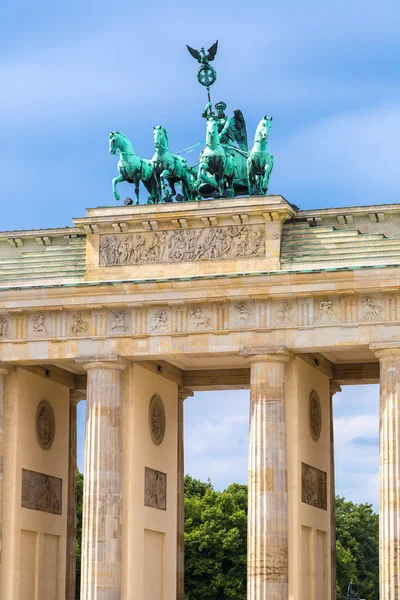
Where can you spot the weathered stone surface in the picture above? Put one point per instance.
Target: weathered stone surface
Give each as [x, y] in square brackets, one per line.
[389, 502]
[267, 557]
[157, 420]
[45, 425]
[101, 529]
[155, 489]
[41, 492]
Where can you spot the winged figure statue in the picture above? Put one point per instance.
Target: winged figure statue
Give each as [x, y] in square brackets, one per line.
[201, 55]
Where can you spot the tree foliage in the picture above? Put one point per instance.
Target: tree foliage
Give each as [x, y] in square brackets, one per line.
[215, 541]
[79, 506]
[357, 547]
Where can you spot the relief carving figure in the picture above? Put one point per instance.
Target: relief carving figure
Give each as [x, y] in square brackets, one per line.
[314, 487]
[244, 315]
[200, 319]
[3, 328]
[182, 245]
[41, 492]
[155, 490]
[286, 313]
[372, 309]
[160, 321]
[38, 325]
[315, 416]
[79, 325]
[326, 312]
[118, 325]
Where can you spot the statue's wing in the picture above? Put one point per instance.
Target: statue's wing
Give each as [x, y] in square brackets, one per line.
[195, 53]
[240, 130]
[212, 51]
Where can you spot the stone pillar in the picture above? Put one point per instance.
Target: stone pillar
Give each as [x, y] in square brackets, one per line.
[389, 475]
[102, 494]
[70, 573]
[267, 552]
[183, 393]
[334, 388]
[3, 373]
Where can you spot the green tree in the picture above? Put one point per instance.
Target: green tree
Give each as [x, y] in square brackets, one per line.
[357, 547]
[215, 541]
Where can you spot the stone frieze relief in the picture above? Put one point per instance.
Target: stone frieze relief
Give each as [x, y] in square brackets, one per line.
[303, 312]
[236, 241]
[41, 492]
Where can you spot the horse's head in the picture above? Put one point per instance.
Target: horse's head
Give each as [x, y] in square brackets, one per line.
[160, 138]
[263, 128]
[212, 131]
[115, 141]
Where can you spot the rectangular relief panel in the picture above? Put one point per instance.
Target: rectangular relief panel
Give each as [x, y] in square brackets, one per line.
[50, 567]
[183, 245]
[28, 565]
[313, 487]
[155, 489]
[306, 574]
[153, 565]
[41, 492]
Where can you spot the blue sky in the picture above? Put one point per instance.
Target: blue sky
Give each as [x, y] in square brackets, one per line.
[72, 71]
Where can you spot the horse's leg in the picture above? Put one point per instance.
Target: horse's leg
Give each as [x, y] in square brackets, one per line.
[137, 188]
[265, 180]
[114, 185]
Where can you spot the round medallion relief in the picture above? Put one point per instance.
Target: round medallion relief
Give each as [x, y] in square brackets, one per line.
[157, 420]
[315, 416]
[45, 425]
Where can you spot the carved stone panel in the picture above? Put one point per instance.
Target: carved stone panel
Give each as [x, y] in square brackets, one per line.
[41, 492]
[236, 241]
[157, 420]
[45, 425]
[155, 489]
[314, 416]
[313, 487]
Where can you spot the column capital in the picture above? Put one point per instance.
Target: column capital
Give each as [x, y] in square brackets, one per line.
[388, 350]
[277, 354]
[111, 362]
[334, 387]
[75, 396]
[5, 369]
[184, 393]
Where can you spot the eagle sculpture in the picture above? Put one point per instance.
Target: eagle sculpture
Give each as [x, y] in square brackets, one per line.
[201, 55]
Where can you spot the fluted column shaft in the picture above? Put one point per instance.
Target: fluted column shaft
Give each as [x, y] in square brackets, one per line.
[3, 373]
[267, 553]
[102, 494]
[334, 388]
[183, 393]
[389, 475]
[70, 579]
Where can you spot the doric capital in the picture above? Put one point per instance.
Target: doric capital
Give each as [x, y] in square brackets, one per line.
[261, 355]
[388, 350]
[184, 393]
[334, 387]
[111, 362]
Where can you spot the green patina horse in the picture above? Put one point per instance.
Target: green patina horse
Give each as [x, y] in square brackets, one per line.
[171, 167]
[217, 162]
[260, 162]
[132, 168]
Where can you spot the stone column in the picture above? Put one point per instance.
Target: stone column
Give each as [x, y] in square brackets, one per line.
[70, 575]
[101, 528]
[389, 475]
[267, 551]
[334, 388]
[3, 373]
[183, 393]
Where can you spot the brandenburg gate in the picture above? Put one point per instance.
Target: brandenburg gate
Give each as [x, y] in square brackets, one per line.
[135, 308]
